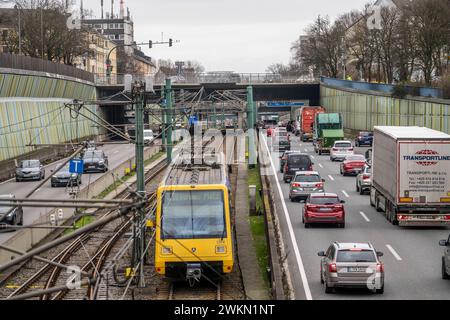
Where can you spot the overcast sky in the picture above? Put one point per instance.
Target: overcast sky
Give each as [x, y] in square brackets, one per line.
[231, 35]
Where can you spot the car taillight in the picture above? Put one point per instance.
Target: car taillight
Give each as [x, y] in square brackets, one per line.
[380, 267]
[359, 137]
[351, 149]
[332, 268]
[366, 177]
[319, 185]
[310, 168]
[335, 149]
[286, 168]
[296, 185]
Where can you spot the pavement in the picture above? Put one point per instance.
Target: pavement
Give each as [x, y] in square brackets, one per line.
[255, 288]
[117, 154]
[412, 256]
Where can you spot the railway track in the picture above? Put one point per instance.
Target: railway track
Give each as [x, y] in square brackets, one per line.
[203, 291]
[88, 252]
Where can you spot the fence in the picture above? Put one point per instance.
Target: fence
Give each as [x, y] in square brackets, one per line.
[210, 77]
[381, 87]
[14, 61]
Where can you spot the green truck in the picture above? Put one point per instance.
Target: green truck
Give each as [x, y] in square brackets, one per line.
[328, 128]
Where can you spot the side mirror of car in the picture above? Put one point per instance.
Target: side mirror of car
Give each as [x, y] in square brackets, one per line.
[342, 201]
[380, 254]
[323, 180]
[443, 243]
[321, 254]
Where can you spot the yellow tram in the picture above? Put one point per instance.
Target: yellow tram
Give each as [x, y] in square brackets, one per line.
[194, 237]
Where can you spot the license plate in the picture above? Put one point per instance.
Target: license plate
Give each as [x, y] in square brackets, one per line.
[356, 269]
[91, 167]
[326, 210]
[295, 169]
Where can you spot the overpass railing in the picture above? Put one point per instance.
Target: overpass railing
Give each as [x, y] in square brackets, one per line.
[381, 87]
[202, 78]
[15, 61]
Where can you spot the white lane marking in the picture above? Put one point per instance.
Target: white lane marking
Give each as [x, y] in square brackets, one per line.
[298, 257]
[345, 194]
[312, 157]
[320, 165]
[364, 216]
[116, 152]
[394, 253]
[331, 177]
[306, 150]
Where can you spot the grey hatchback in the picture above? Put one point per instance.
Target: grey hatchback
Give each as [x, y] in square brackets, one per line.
[352, 265]
[30, 170]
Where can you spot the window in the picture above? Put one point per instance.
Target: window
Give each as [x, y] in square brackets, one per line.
[343, 145]
[121, 36]
[307, 178]
[299, 160]
[193, 215]
[356, 256]
[327, 201]
[120, 25]
[97, 26]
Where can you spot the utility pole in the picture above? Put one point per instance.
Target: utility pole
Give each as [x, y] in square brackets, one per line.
[251, 128]
[169, 119]
[163, 114]
[139, 245]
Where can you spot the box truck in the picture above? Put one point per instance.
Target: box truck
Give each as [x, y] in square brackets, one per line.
[306, 120]
[328, 128]
[411, 176]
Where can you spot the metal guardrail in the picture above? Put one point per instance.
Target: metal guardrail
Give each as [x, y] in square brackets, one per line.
[210, 77]
[15, 61]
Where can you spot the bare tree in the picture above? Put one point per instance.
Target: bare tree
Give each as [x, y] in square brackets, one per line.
[45, 34]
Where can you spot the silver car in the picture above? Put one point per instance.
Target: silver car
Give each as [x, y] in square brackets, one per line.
[305, 183]
[364, 180]
[352, 265]
[30, 170]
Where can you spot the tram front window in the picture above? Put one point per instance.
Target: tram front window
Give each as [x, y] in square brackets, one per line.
[193, 215]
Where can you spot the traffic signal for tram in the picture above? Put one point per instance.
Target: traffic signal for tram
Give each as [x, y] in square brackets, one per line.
[150, 44]
[170, 42]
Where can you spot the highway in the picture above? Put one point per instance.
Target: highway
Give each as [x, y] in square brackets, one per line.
[412, 256]
[117, 154]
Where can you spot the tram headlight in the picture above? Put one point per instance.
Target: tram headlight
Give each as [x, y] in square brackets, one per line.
[166, 250]
[221, 249]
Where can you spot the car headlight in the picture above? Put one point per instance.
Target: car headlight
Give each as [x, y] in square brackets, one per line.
[73, 175]
[221, 249]
[55, 177]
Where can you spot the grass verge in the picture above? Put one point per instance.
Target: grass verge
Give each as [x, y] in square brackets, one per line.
[258, 226]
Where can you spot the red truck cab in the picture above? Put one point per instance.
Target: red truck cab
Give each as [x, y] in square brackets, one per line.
[307, 118]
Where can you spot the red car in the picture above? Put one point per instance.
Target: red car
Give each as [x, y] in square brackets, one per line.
[324, 208]
[353, 164]
[269, 132]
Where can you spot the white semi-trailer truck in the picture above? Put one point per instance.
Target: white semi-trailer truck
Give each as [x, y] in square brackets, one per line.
[411, 175]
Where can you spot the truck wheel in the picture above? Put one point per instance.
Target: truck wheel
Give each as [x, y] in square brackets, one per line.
[445, 275]
[377, 205]
[320, 152]
[361, 191]
[357, 187]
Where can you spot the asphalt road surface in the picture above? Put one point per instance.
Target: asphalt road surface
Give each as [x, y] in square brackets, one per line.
[412, 256]
[117, 154]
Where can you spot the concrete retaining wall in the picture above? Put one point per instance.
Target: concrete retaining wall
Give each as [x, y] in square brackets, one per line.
[362, 110]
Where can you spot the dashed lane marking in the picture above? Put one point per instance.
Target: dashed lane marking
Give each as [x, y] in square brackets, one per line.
[394, 253]
[320, 165]
[364, 216]
[345, 193]
[331, 177]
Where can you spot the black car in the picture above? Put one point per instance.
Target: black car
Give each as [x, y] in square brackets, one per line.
[283, 159]
[64, 178]
[14, 215]
[30, 170]
[95, 161]
[294, 163]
